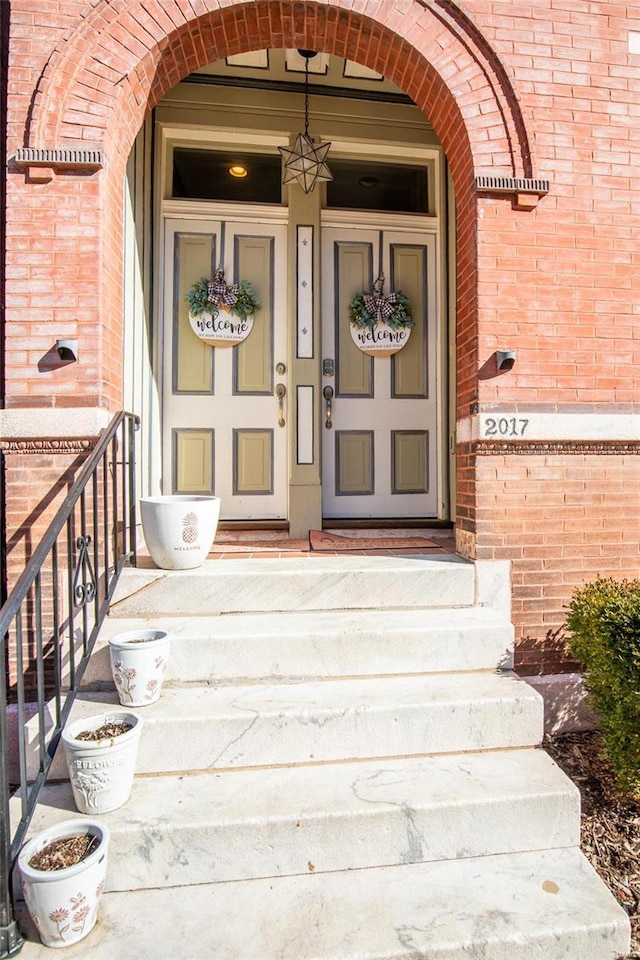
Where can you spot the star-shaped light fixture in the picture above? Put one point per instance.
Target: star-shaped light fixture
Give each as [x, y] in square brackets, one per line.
[304, 162]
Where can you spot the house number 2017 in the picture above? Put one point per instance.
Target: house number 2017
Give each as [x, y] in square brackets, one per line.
[505, 427]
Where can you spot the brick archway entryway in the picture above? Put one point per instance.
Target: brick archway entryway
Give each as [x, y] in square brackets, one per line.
[119, 59]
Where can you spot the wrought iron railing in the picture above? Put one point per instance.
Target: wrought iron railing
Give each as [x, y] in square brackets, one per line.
[48, 627]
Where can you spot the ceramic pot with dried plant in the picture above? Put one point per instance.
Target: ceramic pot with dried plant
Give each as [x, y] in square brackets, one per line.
[63, 871]
[101, 753]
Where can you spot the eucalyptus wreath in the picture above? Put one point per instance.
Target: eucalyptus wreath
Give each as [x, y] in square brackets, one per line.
[239, 297]
[365, 309]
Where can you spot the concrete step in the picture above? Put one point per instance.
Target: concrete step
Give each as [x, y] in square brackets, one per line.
[545, 905]
[240, 825]
[211, 728]
[300, 583]
[334, 643]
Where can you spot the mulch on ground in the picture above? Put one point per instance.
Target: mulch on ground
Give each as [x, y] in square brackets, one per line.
[610, 827]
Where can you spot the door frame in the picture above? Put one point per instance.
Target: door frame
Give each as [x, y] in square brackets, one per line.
[305, 477]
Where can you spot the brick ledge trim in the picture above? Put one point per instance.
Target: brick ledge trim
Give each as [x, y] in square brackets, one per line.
[41, 164]
[52, 157]
[47, 445]
[501, 448]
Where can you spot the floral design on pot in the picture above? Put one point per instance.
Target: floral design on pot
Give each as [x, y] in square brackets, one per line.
[139, 661]
[63, 903]
[179, 529]
[101, 770]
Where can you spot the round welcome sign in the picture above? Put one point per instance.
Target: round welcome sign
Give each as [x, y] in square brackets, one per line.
[382, 340]
[221, 329]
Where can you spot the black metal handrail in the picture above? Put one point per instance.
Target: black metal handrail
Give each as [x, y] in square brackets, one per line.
[48, 627]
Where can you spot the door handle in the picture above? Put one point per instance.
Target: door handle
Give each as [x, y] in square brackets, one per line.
[327, 393]
[281, 392]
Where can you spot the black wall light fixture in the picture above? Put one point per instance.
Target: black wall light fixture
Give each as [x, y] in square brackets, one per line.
[505, 360]
[67, 350]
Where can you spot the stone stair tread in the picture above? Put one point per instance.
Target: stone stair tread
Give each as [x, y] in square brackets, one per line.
[198, 727]
[328, 643]
[258, 823]
[297, 583]
[544, 905]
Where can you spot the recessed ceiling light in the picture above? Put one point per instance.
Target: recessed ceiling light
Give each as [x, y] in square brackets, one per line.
[238, 171]
[368, 182]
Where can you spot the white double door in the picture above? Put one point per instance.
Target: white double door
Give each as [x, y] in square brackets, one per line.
[380, 455]
[224, 426]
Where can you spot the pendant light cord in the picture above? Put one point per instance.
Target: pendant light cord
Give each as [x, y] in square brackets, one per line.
[306, 96]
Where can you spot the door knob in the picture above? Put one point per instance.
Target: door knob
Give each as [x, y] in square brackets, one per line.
[327, 393]
[281, 392]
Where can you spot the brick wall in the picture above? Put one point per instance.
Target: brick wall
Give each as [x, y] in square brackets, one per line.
[562, 519]
[549, 90]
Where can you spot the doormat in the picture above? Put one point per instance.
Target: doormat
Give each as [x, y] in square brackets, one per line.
[364, 540]
[254, 541]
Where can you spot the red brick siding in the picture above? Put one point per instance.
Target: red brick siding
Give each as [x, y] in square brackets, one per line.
[562, 520]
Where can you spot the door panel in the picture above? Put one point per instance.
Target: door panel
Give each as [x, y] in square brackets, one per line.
[220, 415]
[379, 459]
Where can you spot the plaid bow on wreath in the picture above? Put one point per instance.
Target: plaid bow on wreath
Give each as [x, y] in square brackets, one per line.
[220, 292]
[379, 306]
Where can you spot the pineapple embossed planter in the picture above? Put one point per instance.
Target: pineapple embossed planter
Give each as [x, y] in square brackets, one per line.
[179, 530]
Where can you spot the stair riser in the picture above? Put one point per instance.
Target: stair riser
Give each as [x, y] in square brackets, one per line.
[341, 654]
[261, 740]
[310, 586]
[387, 836]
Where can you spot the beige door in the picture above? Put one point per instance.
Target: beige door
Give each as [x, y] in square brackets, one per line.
[224, 427]
[380, 455]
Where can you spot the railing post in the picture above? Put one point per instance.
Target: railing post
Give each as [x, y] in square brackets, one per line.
[132, 425]
[10, 937]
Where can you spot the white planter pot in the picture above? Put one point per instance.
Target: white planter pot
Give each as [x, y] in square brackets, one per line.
[179, 530]
[101, 772]
[64, 903]
[139, 660]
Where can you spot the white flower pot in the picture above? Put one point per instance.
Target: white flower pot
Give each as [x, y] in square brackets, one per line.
[179, 530]
[138, 663]
[64, 903]
[101, 772]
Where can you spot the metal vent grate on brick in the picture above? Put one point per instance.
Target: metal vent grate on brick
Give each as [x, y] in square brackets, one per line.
[488, 184]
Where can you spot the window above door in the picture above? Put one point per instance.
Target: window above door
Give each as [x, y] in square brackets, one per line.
[235, 176]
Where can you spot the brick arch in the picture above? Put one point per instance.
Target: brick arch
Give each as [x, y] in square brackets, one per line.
[124, 55]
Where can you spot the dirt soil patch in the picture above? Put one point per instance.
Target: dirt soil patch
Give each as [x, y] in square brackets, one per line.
[610, 826]
[108, 731]
[64, 852]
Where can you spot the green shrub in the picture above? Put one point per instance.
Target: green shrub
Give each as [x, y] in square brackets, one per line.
[604, 625]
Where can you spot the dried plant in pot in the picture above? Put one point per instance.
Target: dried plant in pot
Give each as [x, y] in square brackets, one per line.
[101, 753]
[179, 530]
[63, 870]
[139, 660]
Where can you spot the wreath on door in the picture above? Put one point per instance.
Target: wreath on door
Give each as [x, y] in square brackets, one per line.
[221, 313]
[393, 309]
[380, 324]
[211, 296]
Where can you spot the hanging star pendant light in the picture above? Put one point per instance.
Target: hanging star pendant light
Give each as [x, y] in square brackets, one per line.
[305, 162]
